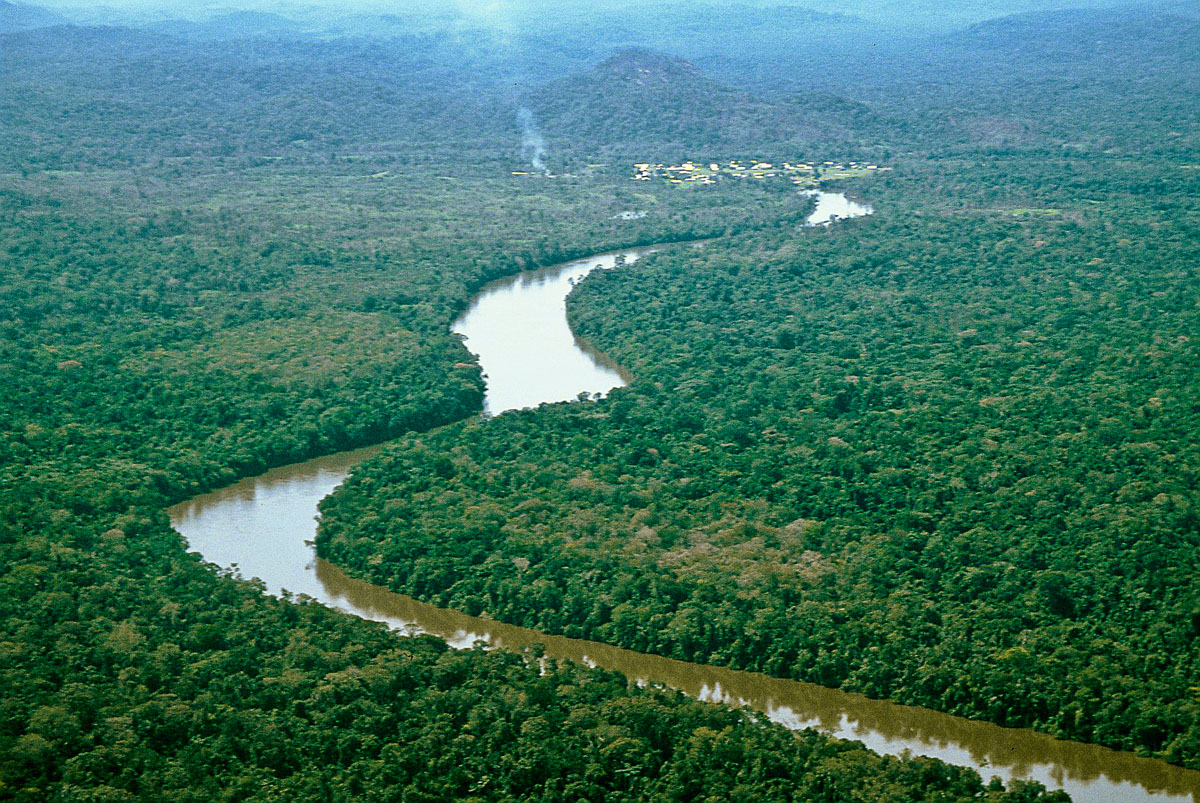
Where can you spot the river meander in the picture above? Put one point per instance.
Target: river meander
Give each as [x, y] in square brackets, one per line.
[263, 526]
[517, 328]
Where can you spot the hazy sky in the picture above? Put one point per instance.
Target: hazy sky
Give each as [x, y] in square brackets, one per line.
[487, 8]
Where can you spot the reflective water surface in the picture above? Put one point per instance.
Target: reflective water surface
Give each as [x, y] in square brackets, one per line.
[832, 206]
[263, 526]
[517, 328]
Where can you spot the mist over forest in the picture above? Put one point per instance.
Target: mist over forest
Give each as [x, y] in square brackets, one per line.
[500, 13]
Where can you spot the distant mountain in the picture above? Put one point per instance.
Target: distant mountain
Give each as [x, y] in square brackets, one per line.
[641, 68]
[944, 15]
[1081, 77]
[106, 94]
[235, 25]
[711, 36]
[1085, 33]
[638, 99]
[20, 17]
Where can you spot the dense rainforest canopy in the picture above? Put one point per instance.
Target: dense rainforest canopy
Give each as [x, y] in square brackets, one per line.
[943, 462]
[945, 455]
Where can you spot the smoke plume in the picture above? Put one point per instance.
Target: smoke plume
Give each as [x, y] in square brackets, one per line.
[533, 147]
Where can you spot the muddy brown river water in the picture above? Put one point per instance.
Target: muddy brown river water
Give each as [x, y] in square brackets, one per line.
[263, 527]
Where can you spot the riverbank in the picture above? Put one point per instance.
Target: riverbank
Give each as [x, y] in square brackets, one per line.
[263, 526]
[1092, 772]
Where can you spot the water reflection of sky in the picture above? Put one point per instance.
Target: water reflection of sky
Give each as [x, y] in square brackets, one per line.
[518, 330]
[833, 206]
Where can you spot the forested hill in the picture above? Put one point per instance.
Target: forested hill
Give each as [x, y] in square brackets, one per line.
[20, 17]
[948, 14]
[79, 96]
[1143, 64]
[76, 97]
[1090, 36]
[1118, 80]
[238, 25]
[638, 98]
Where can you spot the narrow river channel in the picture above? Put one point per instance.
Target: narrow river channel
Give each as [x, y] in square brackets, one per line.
[263, 526]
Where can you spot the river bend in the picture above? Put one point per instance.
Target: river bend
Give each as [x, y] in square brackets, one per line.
[263, 527]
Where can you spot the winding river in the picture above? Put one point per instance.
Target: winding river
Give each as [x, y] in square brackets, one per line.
[263, 528]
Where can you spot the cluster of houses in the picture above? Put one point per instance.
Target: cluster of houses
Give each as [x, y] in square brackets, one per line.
[800, 173]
